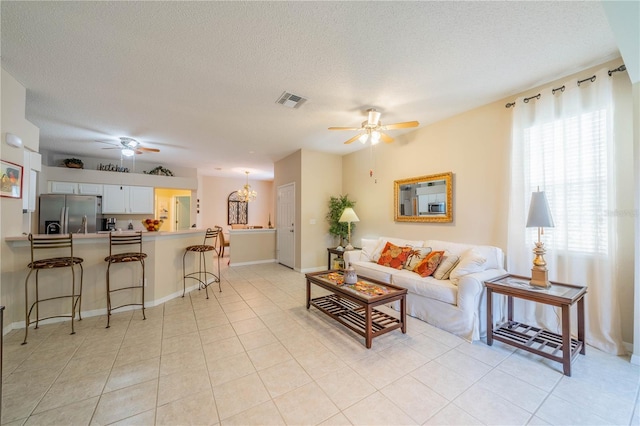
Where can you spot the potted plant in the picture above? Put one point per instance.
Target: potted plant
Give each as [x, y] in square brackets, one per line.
[336, 207]
[73, 163]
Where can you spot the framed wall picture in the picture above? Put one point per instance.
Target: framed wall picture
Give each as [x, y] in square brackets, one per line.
[10, 180]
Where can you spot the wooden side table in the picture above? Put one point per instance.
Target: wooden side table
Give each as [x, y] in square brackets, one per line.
[334, 251]
[557, 347]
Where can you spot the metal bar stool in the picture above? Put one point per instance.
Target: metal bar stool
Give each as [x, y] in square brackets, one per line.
[201, 275]
[49, 243]
[223, 243]
[116, 240]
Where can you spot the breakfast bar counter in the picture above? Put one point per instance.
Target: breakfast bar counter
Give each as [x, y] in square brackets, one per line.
[163, 271]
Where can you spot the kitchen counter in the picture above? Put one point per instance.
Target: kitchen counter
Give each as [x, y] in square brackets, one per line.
[105, 234]
[163, 271]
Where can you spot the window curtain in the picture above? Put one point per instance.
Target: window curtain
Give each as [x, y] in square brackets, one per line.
[562, 143]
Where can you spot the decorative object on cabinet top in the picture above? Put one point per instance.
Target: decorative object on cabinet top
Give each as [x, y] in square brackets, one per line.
[73, 163]
[159, 171]
[112, 168]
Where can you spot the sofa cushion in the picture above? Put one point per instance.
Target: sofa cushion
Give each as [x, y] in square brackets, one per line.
[442, 290]
[394, 256]
[369, 247]
[373, 270]
[429, 264]
[494, 255]
[415, 256]
[471, 261]
[401, 242]
[445, 267]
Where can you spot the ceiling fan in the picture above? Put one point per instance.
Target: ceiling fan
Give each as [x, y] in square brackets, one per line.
[373, 129]
[129, 147]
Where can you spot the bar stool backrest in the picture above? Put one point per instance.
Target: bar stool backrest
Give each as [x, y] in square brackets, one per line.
[47, 243]
[211, 234]
[125, 240]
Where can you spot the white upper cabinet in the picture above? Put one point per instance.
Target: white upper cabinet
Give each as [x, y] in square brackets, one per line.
[127, 199]
[141, 199]
[63, 187]
[90, 189]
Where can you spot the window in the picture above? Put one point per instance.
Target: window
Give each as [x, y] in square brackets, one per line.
[237, 211]
[567, 158]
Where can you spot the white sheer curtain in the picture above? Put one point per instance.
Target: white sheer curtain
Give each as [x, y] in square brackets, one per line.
[563, 143]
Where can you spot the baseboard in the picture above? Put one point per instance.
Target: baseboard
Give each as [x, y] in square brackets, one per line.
[255, 262]
[316, 269]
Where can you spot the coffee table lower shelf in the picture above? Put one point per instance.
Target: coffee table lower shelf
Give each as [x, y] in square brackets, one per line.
[353, 316]
[536, 340]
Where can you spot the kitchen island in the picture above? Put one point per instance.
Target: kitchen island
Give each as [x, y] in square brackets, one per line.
[252, 245]
[163, 272]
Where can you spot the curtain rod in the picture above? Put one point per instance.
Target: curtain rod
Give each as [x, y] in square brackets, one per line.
[561, 89]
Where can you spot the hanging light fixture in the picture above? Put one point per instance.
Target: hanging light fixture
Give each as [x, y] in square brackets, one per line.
[247, 194]
[127, 152]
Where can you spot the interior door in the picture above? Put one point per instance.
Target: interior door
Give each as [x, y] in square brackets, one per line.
[286, 224]
[183, 213]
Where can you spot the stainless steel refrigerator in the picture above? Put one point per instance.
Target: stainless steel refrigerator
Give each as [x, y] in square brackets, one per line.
[63, 214]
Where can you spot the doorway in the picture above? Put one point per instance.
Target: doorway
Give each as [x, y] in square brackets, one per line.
[286, 224]
[183, 213]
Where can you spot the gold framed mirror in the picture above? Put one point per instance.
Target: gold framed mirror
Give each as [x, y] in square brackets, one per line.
[424, 198]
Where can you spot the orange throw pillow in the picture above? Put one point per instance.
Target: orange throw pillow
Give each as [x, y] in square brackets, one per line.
[394, 256]
[429, 264]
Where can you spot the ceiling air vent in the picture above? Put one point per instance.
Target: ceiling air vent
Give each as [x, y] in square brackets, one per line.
[290, 100]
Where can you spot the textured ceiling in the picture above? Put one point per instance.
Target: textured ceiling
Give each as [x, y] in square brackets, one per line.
[199, 80]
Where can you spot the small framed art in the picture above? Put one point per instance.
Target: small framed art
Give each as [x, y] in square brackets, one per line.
[10, 180]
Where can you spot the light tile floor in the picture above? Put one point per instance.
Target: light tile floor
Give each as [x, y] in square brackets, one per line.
[254, 355]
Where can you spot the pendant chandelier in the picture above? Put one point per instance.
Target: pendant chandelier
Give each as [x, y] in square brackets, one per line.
[247, 194]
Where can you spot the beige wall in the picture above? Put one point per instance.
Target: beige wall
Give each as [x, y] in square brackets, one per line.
[13, 120]
[214, 191]
[636, 157]
[475, 147]
[321, 178]
[285, 171]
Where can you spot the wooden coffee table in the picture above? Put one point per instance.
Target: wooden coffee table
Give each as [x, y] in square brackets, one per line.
[353, 305]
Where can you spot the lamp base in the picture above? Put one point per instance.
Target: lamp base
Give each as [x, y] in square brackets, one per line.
[349, 247]
[539, 278]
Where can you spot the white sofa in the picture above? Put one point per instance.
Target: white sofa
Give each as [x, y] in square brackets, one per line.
[458, 304]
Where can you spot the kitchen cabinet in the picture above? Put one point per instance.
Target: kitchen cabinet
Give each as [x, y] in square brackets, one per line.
[127, 199]
[89, 189]
[63, 187]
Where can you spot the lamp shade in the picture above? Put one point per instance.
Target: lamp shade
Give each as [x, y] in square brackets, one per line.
[539, 212]
[348, 215]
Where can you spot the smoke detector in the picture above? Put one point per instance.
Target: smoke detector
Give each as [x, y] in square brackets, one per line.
[290, 100]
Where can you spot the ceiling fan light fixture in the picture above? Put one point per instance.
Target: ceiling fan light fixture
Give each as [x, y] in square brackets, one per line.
[375, 137]
[374, 117]
[128, 152]
[363, 138]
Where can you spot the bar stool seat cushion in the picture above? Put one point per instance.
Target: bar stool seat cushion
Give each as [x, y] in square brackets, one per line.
[55, 262]
[125, 257]
[200, 248]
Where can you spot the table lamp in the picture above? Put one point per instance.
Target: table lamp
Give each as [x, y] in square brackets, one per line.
[348, 215]
[539, 217]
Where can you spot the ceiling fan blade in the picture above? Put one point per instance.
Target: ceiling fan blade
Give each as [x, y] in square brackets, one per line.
[353, 139]
[386, 138]
[344, 128]
[113, 147]
[141, 148]
[404, 125]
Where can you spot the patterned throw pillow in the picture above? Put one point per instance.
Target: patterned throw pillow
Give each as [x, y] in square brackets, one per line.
[446, 266]
[429, 264]
[415, 256]
[393, 256]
